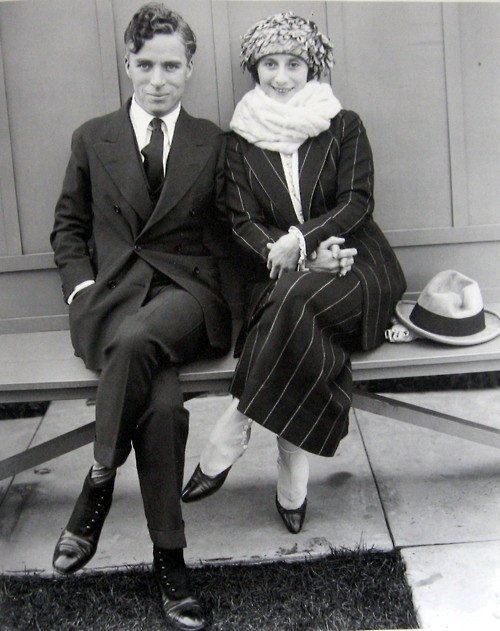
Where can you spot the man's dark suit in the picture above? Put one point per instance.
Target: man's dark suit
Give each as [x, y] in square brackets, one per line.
[153, 262]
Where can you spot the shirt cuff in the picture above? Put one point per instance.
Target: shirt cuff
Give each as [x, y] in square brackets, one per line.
[301, 263]
[86, 283]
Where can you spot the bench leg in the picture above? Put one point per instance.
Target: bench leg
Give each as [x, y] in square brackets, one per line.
[423, 417]
[47, 451]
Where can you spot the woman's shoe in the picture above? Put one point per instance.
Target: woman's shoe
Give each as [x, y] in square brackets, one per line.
[293, 518]
[201, 485]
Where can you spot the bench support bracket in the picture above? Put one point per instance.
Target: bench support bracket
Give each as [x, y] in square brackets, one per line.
[423, 417]
[374, 403]
[48, 450]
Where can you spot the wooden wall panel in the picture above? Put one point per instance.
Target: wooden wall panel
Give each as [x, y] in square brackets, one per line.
[53, 81]
[10, 236]
[392, 74]
[480, 67]
[423, 76]
[38, 291]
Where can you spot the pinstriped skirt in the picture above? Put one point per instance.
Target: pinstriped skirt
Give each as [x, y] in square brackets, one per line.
[294, 374]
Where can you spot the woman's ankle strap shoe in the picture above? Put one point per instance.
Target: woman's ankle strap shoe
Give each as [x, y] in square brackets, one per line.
[201, 485]
[293, 518]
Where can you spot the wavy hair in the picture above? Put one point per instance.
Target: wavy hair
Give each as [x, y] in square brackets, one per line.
[154, 18]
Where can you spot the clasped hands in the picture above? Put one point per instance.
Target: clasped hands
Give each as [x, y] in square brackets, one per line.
[284, 254]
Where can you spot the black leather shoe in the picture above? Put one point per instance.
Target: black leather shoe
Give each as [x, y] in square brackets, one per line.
[293, 518]
[180, 608]
[78, 541]
[201, 485]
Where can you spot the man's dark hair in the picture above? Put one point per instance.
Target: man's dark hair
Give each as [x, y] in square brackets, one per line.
[154, 18]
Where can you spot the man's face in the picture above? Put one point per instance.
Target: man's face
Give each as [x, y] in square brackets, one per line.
[159, 73]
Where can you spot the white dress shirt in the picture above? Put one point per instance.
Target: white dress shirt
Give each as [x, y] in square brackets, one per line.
[141, 122]
[290, 164]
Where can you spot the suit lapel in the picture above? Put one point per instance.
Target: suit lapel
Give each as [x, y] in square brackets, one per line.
[268, 170]
[312, 156]
[187, 157]
[118, 154]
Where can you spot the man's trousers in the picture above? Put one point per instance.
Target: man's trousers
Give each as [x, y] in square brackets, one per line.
[140, 403]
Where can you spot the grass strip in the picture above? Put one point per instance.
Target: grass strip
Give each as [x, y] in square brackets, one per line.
[347, 590]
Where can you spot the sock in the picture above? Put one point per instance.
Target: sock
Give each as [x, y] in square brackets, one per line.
[101, 474]
[227, 442]
[293, 474]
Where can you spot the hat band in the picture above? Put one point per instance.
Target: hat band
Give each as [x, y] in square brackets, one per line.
[442, 325]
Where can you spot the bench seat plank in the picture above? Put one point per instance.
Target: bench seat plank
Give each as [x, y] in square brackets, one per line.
[43, 363]
[41, 366]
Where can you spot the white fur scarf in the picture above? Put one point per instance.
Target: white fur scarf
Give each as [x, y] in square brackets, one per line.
[283, 127]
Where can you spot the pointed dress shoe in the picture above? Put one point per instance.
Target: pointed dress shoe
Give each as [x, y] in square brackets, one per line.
[181, 609]
[201, 485]
[293, 518]
[78, 541]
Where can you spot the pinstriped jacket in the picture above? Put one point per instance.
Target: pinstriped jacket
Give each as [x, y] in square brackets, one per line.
[336, 187]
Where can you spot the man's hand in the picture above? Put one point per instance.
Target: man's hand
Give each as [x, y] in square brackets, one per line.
[329, 257]
[283, 255]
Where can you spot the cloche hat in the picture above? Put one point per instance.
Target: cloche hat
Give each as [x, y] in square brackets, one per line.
[287, 32]
[450, 310]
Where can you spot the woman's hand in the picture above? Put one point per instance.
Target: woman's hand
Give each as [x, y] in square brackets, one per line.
[330, 257]
[283, 255]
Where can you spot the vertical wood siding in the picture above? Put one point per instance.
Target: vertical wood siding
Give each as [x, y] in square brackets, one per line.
[423, 76]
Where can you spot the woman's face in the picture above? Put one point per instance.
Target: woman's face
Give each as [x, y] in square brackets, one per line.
[282, 75]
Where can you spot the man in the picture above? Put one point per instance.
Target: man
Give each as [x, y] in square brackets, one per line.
[136, 239]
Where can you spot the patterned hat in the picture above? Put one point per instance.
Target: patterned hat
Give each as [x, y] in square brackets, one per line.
[287, 33]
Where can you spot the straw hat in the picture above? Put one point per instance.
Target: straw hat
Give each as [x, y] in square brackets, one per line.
[450, 310]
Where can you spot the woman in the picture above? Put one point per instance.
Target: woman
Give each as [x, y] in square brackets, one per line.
[299, 186]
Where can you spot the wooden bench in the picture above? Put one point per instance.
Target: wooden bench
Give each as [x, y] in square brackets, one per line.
[40, 366]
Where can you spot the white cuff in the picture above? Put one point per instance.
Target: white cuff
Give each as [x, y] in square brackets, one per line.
[301, 263]
[86, 283]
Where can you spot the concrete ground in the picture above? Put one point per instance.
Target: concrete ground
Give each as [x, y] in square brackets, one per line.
[435, 497]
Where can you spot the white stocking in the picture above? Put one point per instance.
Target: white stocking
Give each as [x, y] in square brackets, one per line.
[293, 474]
[228, 441]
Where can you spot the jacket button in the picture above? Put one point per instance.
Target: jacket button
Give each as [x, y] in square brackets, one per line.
[117, 209]
[196, 271]
[192, 212]
[137, 248]
[178, 248]
[112, 284]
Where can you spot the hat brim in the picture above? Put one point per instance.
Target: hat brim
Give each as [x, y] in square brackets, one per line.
[491, 330]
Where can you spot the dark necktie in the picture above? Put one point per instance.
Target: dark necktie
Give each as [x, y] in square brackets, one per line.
[153, 156]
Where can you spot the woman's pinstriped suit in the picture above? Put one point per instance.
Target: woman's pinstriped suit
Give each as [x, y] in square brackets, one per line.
[294, 374]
